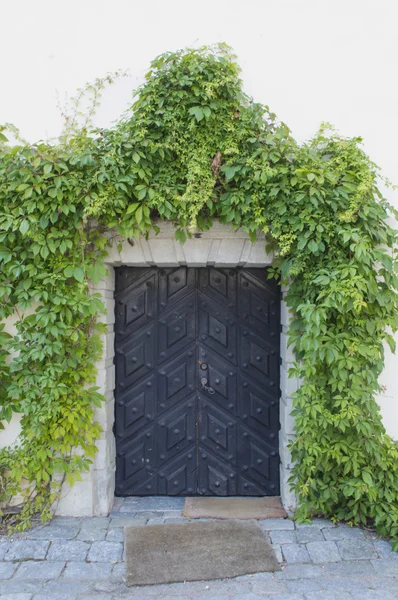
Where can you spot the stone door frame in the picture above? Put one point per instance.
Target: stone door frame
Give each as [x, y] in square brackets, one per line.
[218, 247]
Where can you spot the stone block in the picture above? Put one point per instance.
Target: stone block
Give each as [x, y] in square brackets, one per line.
[196, 252]
[133, 255]
[288, 497]
[27, 550]
[328, 595]
[93, 571]
[115, 535]
[286, 351]
[283, 536]
[154, 503]
[39, 570]
[163, 252]
[105, 552]
[305, 571]
[295, 553]
[77, 500]
[229, 252]
[105, 457]
[68, 550]
[18, 597]
[356, 550]
[304, 586]
[349, 568]
[287, 421]
[275, 524]
[104, 489]
[127, 522]
[373, 595]
[309, 534]
[385, 568]
[7, 570]
[384, 550]
[289, 385]
[316, 523]
[337, 534]
[323, 552]
[4, 547]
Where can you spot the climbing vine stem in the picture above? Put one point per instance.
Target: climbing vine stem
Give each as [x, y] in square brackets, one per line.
[194, 148]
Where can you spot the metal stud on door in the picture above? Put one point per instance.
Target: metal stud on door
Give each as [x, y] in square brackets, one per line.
[196, 382]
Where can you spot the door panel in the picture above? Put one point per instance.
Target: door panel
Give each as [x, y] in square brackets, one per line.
[197, 371]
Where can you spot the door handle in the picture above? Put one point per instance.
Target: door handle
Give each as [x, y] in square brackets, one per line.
[205, 387]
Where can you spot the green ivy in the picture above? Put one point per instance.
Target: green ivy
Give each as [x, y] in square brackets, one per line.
[194, 148]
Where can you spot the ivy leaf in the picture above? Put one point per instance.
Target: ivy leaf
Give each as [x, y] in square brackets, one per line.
[132, 207]
[313, 246]
[197, 112]
[24, 226]
[367, 477]
[138, 214]
[78, 274]
[68, 272]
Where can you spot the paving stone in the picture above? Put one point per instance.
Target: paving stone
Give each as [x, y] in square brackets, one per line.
[351, 568]
[61, 530]
[68, 550]
[283, 536]
[27, 549]
[386, 568]
[304, 586]
[105, 551]
[295, 553]
[272, 586]
[127, 522]
[306, 571]
[151, 514]
[373, 595]
[96, 597]
[384, 583]
[384, 550]
[155, 522]
[316, 523]
[39, 570]
[59, 587]
[115, 535]
[343, 583]
[176, 520]
[336, 534]
[309, 534]
[95, 522]
[7, 570]
[4, 547]
[94, 571]
[323, 552]
[276, 524]
[328, 595]
[154, 503]
[278, 552]
[56, 597]
[91, 534]
[14, 586]
[16, 596]
[119, 572]
[356, 550]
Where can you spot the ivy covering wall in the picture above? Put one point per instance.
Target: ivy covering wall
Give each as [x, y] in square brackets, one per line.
[194, 148]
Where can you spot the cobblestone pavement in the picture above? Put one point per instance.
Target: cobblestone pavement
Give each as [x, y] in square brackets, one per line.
[82, 559]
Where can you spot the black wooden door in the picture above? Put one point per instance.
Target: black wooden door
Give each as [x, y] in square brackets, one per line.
[197, 382]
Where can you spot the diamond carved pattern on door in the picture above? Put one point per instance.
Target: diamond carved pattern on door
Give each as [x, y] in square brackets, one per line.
[176, 329]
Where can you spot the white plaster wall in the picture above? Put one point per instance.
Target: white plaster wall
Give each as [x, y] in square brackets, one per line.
[309, 60]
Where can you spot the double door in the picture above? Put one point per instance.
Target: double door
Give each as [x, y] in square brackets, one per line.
[197, 382]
